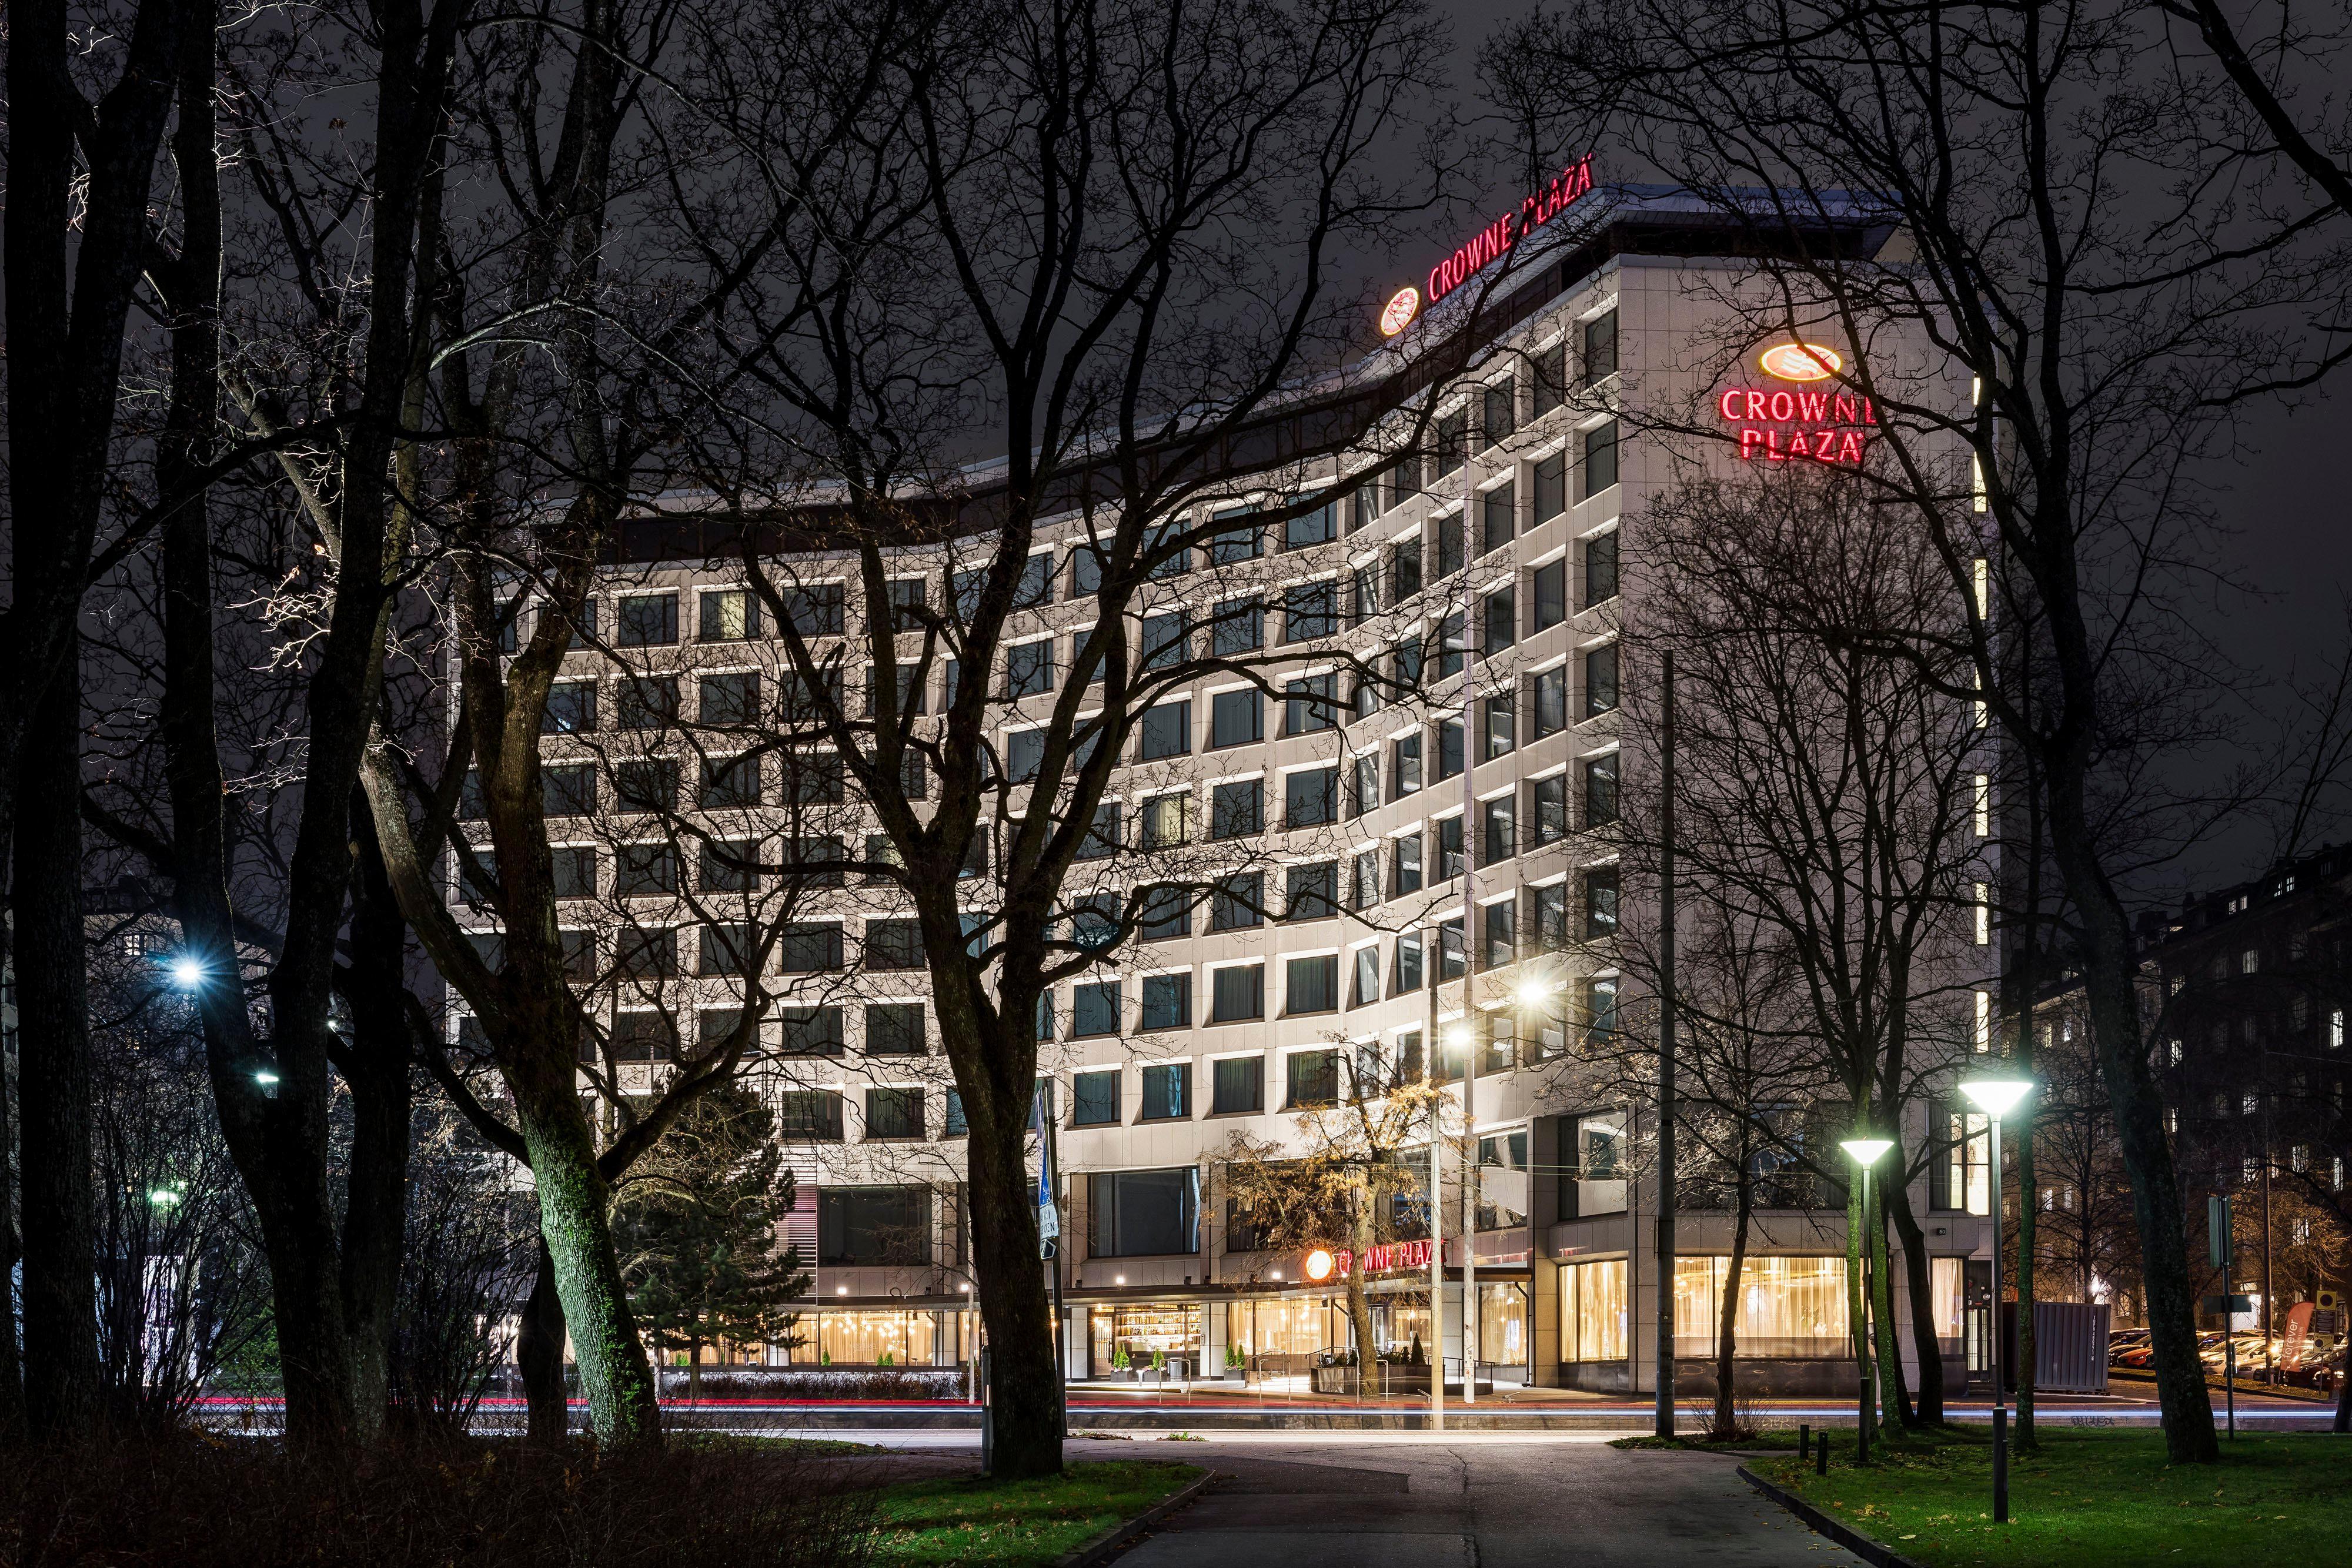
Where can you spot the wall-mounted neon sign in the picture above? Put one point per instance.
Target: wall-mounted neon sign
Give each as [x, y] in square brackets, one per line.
[1782, 425]
[1507, 230]
[1399, 312]
[1386, 1258]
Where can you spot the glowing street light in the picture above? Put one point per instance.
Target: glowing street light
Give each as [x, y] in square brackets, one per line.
[187, 973]
[1536, 993]
[1995, 1097]
[1319, 1265]
[1865, 1152]
[163, 1197]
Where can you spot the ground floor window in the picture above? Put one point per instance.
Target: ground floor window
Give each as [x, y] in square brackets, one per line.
[857, 1338]
[1502, 1325]
[1169, 1331]
[1946, 1292]
[1291, 1326]
[1788, 1306]
[1592, 1310]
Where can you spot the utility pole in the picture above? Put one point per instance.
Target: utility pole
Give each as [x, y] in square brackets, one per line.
[1665, 1271]
[1471, 937]
[1431, 1074]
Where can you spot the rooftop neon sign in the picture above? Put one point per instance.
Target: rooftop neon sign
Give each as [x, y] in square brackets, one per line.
[1507, 230]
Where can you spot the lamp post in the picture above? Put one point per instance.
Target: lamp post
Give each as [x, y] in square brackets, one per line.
[1994, 1097]
[1865, 1152]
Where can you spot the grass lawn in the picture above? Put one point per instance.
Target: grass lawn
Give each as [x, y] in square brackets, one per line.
[1017, 1523]
[2104, 1499]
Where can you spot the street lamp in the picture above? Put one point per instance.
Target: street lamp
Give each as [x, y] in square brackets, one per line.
[1865, 1152]
[187, 973]
[1995, 1097]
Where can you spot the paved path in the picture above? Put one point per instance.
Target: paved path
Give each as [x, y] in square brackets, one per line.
[1497, 1502]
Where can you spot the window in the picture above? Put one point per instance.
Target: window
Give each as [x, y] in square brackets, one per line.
[1094, 1099]
[1310, 704]
[1236, 626]
[810, 1031]
[1501, 924]
[1406, 978]
[570, 708]
[1166, 820]
[648, 954]
[1600, 790]
[872, 1226]
[1310, 798]
[1166, 731]
[1601, 681]
[730, 781]
[579, 954]
[1593, 1317]
[1449, 749]
[1407, 878]
[1600, 1010]
[1143, 1214]
[1404, 764]
[1028, 669]
[1235, 719]
[1405, 570]
[1364, 784]
[1500, 731]
[1499, 511]
[1167, 1092]
[1550, 379]
[568, 790]
[815, 609]
[1237, 1086]
[1238, 903]
[1593, 1180]
[1551, 589]
[1453, 440]
[1365, 879]
[1449, 848]
[894, 1112]
[1166, 1001]
[1600, 465]
[1551, 486]
[648, 702]
[647, 784]
[1167, 912]
[1450, 549]
[1103, 834]
[1453, 641]
[1503, 1180]
[1314, 1079]
[1547, 810]
[952, 1123]
[809, 947]
[1310, 609]
[1499, 408]
[1167, 643]
[1318, 526]
[1600, 348]
[642, 869]
[727, 949]
[908, 597]
[1232, 546]
[1025, 754]
[1495, 839]
[1237, 992]
[1500, 626]
[1311, 985]
[1551, 916]
[648, 620]
[1094, 1008]
[1601, 569]
[1313, 890]
[1035, 586]
[732, 699]
[1368, 976]
[894, 1028]
[1550, 701]
[644, 1037]
[1600, 904]
[575, 872]
[894, 944]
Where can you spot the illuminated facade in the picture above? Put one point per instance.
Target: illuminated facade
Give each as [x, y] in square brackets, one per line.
[1379, 860]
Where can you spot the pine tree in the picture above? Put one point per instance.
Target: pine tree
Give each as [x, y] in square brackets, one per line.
[698, 1230]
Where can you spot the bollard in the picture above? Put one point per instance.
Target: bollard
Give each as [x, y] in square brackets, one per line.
[1823, 1467]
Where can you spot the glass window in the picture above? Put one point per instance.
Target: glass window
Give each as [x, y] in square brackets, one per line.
[1231, 546]
[1788, 1307]
[908, 597]
[1600, 1010]
[809, 1116]
[1551, 486]
[1600, 357]
[894, 1112]
[1405, 570]
[1450, 549]
[1449, 848]
[726, 949]
[1600, 904]
[1550, 586]
[1166, 731]
[1497, 840]
[570, 708]
[1502, 935]
[1028, 669]
[1449, 749]
[808, 947]
[815, 609]
[647, 784]
[1094, 1008]
[1025, 754]
[1094, 1099]
[1237, 809]
[1408, 865]
[648, 620]
[1318, 527]
[1166, 642]
[1166, 1001]
[866, 1226]
[1236, 626]
[1453, 439]
[1601, 569]
[952, 1123]
[1551, 916]
[1311, 986]
[1364, 880]
[1366, 985]
[1166, 819]
[1501, 729]
[648, 702]
[575, 872]
[1404, 770]
[1310, 704]
[644, 1037]
[1310, 798]
[641, 869]
[1600, 465]
[1237, 993]
[894, 944]
[1103, 834]
[1143, 1214]
[730, 781]
[1592, 1314]
[1552, 701]
[1548, 805]
[1310, 609]
[1167, 1091]
[1238, 903]
[1313, 890]
[1237, 1084]
[1314, 1079]
[1035, 586]
[1405, 977]
[1601, 681]
[1364, 784]
[1499, 624]
[894, 1028]
[1594, 1182]
[1235, 719]
[1499, 409]
[1167, 912]
[1550, 378]
[1499, 511]
[1502, 1183]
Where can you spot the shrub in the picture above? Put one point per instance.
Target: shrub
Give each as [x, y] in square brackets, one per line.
[199, 1501]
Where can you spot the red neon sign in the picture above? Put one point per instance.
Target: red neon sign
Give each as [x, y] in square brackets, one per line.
[1507, 230]
[1781, 425]
[1384, 1259]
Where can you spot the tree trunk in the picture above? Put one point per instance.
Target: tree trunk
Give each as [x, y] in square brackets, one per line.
[1359, 1302]
[539, 1355]
[1727, 1342]
[60, 1299]
[375, 1069]
[1919, 1278]
[1025, 1392]
[1894, 1391]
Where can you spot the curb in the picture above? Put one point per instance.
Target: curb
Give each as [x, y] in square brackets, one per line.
[1120, 1537]
[1820, 1523]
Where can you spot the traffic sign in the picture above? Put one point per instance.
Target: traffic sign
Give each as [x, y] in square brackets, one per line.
[2229, 1303]
[2219, 1249]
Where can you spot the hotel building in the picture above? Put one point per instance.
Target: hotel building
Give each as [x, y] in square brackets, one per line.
[1370, 835]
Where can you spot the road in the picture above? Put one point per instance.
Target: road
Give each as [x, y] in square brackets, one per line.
[1364, 1500]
